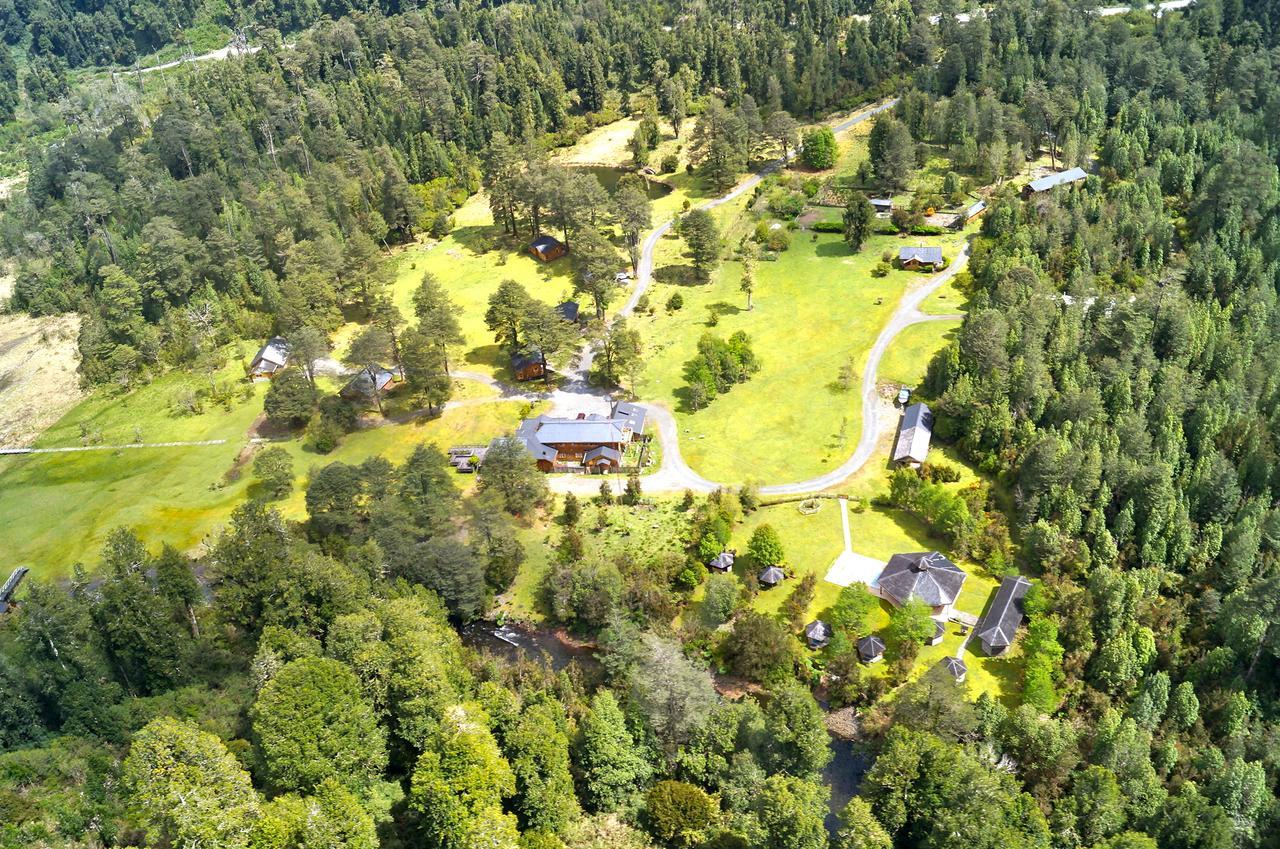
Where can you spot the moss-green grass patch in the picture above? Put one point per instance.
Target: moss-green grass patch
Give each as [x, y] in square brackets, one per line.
[907, 359]
[814, 312]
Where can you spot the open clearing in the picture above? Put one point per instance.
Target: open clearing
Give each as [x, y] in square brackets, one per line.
[815, 311]
[38, 380]
[60, 507]
[907, 359]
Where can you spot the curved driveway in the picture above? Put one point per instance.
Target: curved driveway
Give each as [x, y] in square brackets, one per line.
[674, 474]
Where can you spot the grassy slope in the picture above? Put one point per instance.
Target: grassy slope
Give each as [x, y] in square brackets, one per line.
[61, 506]
[908, 357]
[814, 311]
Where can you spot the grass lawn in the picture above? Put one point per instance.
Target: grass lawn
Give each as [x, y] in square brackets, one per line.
[814, 312]
[60, 506]
[907, 359]
[948, 300]
[471, 266]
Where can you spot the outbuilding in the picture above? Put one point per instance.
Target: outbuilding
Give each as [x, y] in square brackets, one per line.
[723, 562]
[817, 634]
[971, 212]
[955, 667]
[362, 387]
[883, 207]
[999, 626]
[1053, 181]
[528, 365]
[921, 258]
[772, 576]
[547, 248]
[270, 359]
[939, 631]
[871, 649]
[915, 432]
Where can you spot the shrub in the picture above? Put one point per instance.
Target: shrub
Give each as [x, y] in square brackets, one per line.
[778, 239]
[785, 204]
[679, 814]
[939, 473]
[675, 302]
[670, 163]
[827, 227]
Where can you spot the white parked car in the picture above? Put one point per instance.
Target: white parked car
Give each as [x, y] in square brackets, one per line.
[904, 395]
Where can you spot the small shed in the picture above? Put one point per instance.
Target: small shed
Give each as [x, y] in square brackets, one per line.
[955, 667]
[270, 359]
[602, 459]
[999, 626]
[920, 258]
[939, 631]
[362, 387]
[971, 212]
[570, 311]
[723, 562]
[817, 634]
[10, 588]
[882, 206]
[772, 576]
[528, 365]
[915, 432]
[871, 649]
[547, 248]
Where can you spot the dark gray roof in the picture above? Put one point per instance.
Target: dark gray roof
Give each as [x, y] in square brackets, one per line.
[915, 431]
[1049, 181]
[1004, 616]
[772, 575]
[603, 451]
[11, 585]
[939, 630]
[954, 665]
[632, 414]
[923, 254]
[525, 358]
[975, 208]
[871, 646]
[544, 242]
[527, 433]
[923, 575]
[723, 560]
[817, 630]
[362, 386]
[580, 431]
[882, 202]
[568, 310]
[274, 353]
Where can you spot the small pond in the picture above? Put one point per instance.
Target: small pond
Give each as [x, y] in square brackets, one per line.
[516, 642]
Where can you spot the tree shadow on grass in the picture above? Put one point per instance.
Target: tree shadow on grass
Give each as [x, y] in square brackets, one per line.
[678, 275]
[720, 309]
[487, 355]
[832, 248]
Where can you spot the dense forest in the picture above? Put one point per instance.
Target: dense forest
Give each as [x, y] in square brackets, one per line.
[304, 684]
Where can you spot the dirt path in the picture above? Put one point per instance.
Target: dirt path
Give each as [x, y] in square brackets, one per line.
[232, 49]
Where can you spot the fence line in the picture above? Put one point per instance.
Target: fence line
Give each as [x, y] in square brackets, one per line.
[75, 448]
